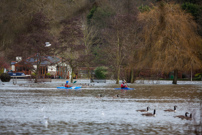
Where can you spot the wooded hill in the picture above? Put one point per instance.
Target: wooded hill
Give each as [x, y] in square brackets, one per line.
[125, 36]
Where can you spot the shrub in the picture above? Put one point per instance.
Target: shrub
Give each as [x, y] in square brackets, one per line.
[194, 9]
[100, 72]
[198, 76]
[33, 75]
[5, 77]
[144, 8]
[48, 74]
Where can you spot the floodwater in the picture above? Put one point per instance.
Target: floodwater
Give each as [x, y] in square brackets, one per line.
[76, 112]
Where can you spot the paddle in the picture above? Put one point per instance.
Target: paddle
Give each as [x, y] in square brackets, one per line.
[74, 82]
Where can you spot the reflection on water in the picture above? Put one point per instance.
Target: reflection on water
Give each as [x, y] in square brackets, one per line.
[52, 111]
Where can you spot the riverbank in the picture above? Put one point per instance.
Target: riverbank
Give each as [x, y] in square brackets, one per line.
[85, 83]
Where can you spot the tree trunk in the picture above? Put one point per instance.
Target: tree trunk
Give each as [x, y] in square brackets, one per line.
[36, 78]
[191, 73]
[89, 74]
[132, 76]
[72, 72]
[118, 74]
[175, 76]
[118, 57]
[72, 76]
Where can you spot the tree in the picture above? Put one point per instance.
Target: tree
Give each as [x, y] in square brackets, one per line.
[90, 40]
[100, 72]
[120, 38]
[194, 9]
[114, 21]
[71, 45]
[169, 39]
[16, 14]
[117, 47]
[132, 37]
[133, 40]
[11, 12]
[32, 42]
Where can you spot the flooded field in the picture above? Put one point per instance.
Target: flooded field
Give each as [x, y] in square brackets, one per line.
[75, 112]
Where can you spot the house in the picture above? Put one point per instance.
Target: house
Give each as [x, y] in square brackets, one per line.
[48, 64]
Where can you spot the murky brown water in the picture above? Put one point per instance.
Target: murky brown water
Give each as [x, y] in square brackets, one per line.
[52, 111]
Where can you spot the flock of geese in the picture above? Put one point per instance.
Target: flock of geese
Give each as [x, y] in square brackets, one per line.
[168, 110]
[186, 117]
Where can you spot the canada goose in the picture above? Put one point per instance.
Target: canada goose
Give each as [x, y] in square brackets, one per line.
[100, 95]
[150, 114]
[143, 110]
[182, 116]
[117, 96]
[171, 110]
[188, 118]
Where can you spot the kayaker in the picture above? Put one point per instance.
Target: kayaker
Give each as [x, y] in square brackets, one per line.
[123, 85]
[66, 85]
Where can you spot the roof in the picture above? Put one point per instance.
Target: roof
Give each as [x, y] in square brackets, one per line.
[46, 60]
[13, 62]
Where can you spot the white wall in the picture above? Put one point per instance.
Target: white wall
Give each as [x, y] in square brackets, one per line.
[52, 70]
[35, 67]
[13, 67]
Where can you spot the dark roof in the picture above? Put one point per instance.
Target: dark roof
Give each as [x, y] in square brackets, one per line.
[13, 62]
[46, 60]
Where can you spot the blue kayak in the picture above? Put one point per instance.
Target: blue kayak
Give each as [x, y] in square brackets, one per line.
[68, 87]
[124, 88]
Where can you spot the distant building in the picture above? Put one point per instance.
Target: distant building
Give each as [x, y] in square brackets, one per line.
[49, 64]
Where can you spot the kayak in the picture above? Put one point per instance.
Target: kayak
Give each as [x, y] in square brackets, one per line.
[124, 88]
[68, 87]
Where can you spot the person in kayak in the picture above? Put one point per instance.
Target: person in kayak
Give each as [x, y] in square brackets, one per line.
[123, 85]
[66, 85]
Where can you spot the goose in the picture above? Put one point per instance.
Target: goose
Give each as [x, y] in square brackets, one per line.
[188, 118]
[100, 95]
[117, 96]
[182, 116]
[171, 110]
[143, 110]
[150, 114]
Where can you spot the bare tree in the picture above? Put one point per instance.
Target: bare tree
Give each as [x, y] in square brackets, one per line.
[90, 39]
[116, 43]
[32, 42]
[120, 37]
[132, 37]
[71, 45]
